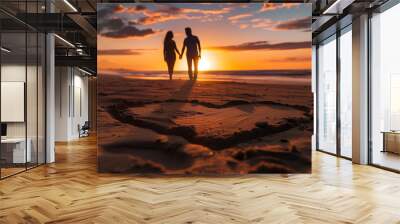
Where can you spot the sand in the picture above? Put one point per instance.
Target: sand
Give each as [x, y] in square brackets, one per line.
[203, 127]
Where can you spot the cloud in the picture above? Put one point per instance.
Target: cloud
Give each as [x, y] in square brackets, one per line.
[207, 11]
[133, 22]
[243, 26]
[129, 31]
[161, 9]
[295, 24]
[166, 12]
[119, 8]
[156, 19]
[275, 6]
[263, 23]
[134, 51]
[108, 10]
[118, 52]
[105, 12]
[264, 45]
[161, 14]
[236, 4]
[122, 9]
[166, 9]
[291, 59]
[140, 7]
[110, 24]
[243, 5]
[114, 27]
[235, 18]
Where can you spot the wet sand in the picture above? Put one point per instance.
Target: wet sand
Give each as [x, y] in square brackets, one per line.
[203, 127]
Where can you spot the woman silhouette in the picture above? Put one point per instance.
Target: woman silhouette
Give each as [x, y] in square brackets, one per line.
[169, 52]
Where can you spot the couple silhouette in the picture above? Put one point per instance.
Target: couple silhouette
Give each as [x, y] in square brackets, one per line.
[193, 52]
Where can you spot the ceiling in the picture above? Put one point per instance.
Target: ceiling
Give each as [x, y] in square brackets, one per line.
[75, 22]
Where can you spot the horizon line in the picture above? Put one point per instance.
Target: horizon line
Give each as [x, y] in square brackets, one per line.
[122, 70]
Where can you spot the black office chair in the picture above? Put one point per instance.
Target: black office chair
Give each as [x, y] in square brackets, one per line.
[84, 130]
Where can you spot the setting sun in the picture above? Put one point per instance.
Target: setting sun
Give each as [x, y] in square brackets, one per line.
[206, 62]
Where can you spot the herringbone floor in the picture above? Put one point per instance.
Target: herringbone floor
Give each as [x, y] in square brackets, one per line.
[71, 191]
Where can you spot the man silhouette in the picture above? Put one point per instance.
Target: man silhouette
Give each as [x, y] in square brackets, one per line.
[193, 53]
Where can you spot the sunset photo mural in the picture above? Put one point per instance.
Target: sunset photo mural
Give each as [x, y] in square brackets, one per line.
[204, 88]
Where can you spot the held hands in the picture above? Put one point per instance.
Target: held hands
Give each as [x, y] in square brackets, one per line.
[181, 55]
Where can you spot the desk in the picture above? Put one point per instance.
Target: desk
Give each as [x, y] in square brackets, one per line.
[391, 141]
[15, 148]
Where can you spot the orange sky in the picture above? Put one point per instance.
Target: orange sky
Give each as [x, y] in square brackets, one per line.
[233, 36]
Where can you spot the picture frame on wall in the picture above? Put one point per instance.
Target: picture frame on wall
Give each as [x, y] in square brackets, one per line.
[204, 88]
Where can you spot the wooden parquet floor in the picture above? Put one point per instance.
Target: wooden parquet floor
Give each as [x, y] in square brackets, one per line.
[71, 191]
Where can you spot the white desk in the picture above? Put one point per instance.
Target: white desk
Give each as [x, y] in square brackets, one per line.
[19, 155]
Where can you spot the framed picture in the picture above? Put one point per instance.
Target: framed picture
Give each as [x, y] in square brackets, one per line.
[204, 88]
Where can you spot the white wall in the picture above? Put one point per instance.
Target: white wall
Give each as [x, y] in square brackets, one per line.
[80, 111]
[71, 103]
[33, 126]
[62, 81]
[14, 73]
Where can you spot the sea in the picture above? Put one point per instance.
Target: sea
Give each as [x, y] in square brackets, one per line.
[302, 77]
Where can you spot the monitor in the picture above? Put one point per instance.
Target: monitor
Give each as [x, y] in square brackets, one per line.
[3, 129]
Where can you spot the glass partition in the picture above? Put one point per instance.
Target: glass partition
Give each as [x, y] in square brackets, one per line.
[327, 96]
[13, 109]
[31, 98]
[385, 89]
[345, 92]
[41, 97]
[22, 78]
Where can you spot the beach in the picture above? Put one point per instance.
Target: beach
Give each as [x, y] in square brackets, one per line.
[205, 127]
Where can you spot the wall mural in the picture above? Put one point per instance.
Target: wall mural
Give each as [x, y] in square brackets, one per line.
[204, 88]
